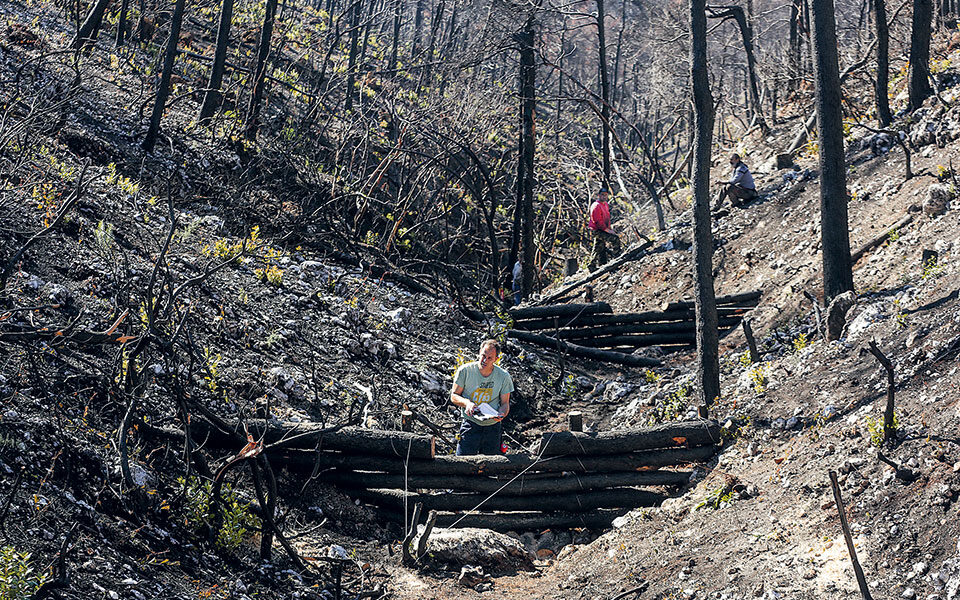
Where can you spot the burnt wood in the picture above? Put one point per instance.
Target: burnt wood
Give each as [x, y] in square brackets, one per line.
[579, 502]
[684, 433]
[559, 310]
[582, 351]
[518, 486]
[510, 464]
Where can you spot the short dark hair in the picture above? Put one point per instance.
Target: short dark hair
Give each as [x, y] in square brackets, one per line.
[490, 342]
[736, 156]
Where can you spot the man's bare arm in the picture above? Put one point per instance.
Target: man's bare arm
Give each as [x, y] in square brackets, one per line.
[460, 401]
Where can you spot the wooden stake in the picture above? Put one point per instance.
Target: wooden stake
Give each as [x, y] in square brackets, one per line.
[575, 420]
[889, 430]
[405, 548]
[751, 341]
[861, 580]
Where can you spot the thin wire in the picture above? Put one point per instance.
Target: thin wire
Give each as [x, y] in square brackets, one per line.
[539, 459]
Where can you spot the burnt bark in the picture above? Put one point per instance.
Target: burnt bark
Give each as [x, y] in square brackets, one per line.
[708, 356]
[260, 72]
[213, 97]
[604, 91]
[516, 486]
[882, 82]
[510, 464]
[528, 100]
[163, 90]
[667, 435]
[919, 74]
[837, 269]
[582, 351]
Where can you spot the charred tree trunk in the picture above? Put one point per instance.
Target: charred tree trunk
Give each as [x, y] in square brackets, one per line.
[260, 72]
[87, 32]
[352, 56]
[746, 35]
[604, 91]
[163, 90]
[528, 100]
[837, 270]
[708, 362]
[395, 44]
[122, 23]
[919, 84]
[427, 73]
[882, 83]
[417, 30]
[213, 97]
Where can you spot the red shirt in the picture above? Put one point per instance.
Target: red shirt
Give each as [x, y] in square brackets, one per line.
[599, 216]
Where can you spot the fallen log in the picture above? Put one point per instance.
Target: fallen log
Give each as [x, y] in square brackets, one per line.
[641, 341]
[582, 351]
[313, 435]
[630, 255]
[747, 298]
[522, 521]
[559, 311]
[683, 433]
[580, 502]
[685, 315]
[880, 238]
[665, 328]
[510, 464]
[518, 486]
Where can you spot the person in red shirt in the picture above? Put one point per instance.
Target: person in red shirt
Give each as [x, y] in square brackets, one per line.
[599, 225]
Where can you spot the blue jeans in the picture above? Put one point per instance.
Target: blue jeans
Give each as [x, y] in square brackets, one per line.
[478, 439]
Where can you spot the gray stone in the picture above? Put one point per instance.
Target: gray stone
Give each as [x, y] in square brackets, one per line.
[470, 546]
[837, 314]
[938, 200]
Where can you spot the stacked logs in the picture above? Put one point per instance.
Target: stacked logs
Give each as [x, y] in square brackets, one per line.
[575, 480]
[593, 331]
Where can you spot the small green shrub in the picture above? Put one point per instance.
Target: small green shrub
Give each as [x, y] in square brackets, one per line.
[898, 315]
[718, 498]
[931, 269]
[198, 512]
[875, 428]
[17, 577]
[270, 274]
[800, 342]
[671, 408]
[759, 378]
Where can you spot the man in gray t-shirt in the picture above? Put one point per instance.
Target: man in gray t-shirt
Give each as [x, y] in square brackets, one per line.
[481, 390]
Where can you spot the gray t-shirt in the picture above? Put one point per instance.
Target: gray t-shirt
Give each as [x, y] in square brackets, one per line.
[482, 390]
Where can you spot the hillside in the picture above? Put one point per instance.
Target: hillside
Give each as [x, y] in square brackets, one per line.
[212, 277]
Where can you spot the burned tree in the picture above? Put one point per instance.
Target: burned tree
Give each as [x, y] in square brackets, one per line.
[708, 362]
[163, 90]
[837, 269]
[919, 84]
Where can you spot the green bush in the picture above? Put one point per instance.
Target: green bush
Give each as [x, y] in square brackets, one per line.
[17, 577]
[198, 512]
